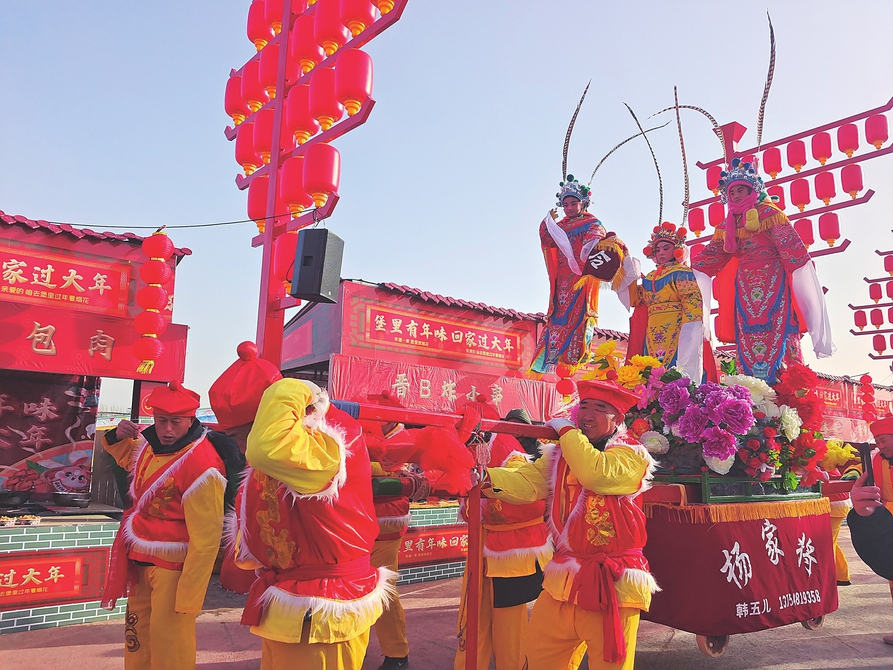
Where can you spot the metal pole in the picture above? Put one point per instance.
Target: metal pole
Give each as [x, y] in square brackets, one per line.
[135, 401]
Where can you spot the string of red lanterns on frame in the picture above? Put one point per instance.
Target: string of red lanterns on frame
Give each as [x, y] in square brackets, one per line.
[152, 298]
[875, 313]
[308, 84]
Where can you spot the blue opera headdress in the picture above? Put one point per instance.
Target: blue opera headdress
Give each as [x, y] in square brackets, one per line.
[739, 173]
[573, 188]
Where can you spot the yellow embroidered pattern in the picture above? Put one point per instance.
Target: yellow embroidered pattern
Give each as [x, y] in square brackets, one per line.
[600, 518]
[162, 499]
[280, 550]
[494, 512]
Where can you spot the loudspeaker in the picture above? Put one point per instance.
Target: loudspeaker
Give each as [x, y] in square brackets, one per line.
[317, 272]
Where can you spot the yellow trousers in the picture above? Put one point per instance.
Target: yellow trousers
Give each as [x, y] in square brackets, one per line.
[302, 655]
[557, 629]
[156, 637]
[391, 625]
[841, 566]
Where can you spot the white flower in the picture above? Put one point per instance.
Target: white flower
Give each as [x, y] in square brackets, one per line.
[760, 391]
[790, 422]
[770, 409]
[654, 442]
[720, 466]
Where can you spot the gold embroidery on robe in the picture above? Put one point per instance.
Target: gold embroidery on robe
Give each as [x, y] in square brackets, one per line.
[280, 550]
[598, 517]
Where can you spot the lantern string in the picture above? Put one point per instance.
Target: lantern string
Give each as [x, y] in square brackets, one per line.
[660, 181]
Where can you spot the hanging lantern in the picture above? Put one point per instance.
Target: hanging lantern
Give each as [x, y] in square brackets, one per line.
[716, 213]
[800, 193]
[713, 174]
[291, 186]
[322, 172]
[328, 30]
[804, 230]
[777, 192]
[157, 271]
[772, 161]
[876, 130]
[273, 14]
[866, 379]
[259, 31]
[353, 79]
[750, 158]
[324, 106]
[851, 179]
[888, 289]
[287, 142]
[888, 265]
[848, 139]
[303, 48]
[263, 133]
[235, 106]
[696, 221]
[876, 317]
[284, 251]
[257, 202]
[860, 319]
[879, 343]
[268, 66]
[246, 156]
[890, 314]
[297, 114]
[153, 299]
[357, 15]
[252, 92]
[875, 292]
[829, 228]
[796, 152]
[821, 147]
[824, 187]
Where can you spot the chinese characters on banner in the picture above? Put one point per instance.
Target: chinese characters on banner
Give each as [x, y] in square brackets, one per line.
[67, 576]
[760, 573]
[69, 282]
[46, 431]
[434, 544]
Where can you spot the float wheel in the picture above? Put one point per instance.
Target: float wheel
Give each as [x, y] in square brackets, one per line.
[813, 624]
[713, 645]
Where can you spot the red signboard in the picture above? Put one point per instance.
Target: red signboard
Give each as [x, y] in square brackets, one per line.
[433, 544]
[32, 578]
[834, 396]
[63, 281]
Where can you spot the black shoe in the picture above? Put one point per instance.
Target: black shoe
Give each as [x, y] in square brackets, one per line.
[847, 583]
[395, 663]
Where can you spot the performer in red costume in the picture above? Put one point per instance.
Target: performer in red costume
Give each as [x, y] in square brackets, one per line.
[598, 581]
[307, 523]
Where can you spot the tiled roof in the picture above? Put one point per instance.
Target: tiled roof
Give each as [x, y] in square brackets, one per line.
[79, 233]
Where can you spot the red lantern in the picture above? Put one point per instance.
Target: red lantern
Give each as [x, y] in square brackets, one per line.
[851, 179]
[158, 246]
[565, 387]
[876, 130]
[876, 317]
[147, 350]
[860, 319]
[328, 30]
[875, 292]
[796, 152]
[384, 6]
[246, 156]
[879, 342]
[772, 161]
[824, 187]
[149, 323]
[866, 379]
[291, 186]
[151, 297]
[357, 15]
[696, 221]
[284, 251]
[257, 202]
[890, 314]
[695, 250]
[804, 230]
[800, 193]
[322, 172]
[156, 271]
[353, 79]
[888, 289]
[777, 192]
[233, 103]
[303, 49]
[716, 213]
[713, 175]
[263, 133]
[297, 114]
[821, 147]
[324, 106]
[273, 14]
[268, 66]
[829, 228]
[259, 31]
[848, 139]
[252, 92]
[749, 158]
[888, 265]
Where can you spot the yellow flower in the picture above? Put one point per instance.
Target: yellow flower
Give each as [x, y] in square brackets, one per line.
[606, 348]
[629, 376]
[643, 362]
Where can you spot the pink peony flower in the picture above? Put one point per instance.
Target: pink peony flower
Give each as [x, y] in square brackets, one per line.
[719, 443]
[691, 424]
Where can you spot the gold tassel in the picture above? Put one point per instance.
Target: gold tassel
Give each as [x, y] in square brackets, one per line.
[752, 220]
[146, 367]
[730, 512]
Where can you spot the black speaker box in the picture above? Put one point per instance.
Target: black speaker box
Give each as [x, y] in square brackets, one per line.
[317, 273]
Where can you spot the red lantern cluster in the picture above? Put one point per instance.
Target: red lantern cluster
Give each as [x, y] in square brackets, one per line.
[821, 147]
[866, 389]
[848, 139]
[888, 264]
[796, 152]
[713, 174]
[322, 172]
[696, 221]
[860, 319]
[824, 187]
[716, 213]
[153, 299]
[876, 131]
[804, 230]
[800, 193]
[772, 161]
[829, 228]
[851, 179]
[875, 292]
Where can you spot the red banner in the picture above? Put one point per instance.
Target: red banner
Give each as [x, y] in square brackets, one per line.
[834, 396]
[63, 281]
[739, 576]
[433, 544]
[29, 579]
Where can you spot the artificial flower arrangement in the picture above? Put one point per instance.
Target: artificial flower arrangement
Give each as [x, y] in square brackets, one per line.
[741, 427]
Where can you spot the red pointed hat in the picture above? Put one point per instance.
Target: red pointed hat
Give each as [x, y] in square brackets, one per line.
[882, 426]
[173, 400]
[235, 396]
[607, 391]
[384, 399]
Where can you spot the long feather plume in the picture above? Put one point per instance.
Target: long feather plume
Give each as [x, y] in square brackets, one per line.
[768, 85]
[570, 130]
[716, 129]
[685, 200]
[620, 144]
[660, 181]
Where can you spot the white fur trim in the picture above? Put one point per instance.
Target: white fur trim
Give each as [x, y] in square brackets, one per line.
[565, 564]
[841, 508]
[542, 553]
[393, 524]
[207, 476]
[369, 605]
[321, 406]
[237, 533]
[515, 454]
[175, 552]
[639, 578]
[330, 493]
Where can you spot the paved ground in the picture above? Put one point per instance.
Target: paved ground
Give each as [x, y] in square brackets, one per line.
[850, 638]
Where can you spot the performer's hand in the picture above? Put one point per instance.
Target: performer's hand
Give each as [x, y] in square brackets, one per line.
[127, 430]
[865, 499]
[554, 214]
[557, 424]
[480, 476]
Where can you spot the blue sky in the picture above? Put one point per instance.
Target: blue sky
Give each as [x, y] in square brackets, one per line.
[113, 114]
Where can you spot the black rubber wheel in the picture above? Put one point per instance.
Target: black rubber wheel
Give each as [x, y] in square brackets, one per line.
[713, 645]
